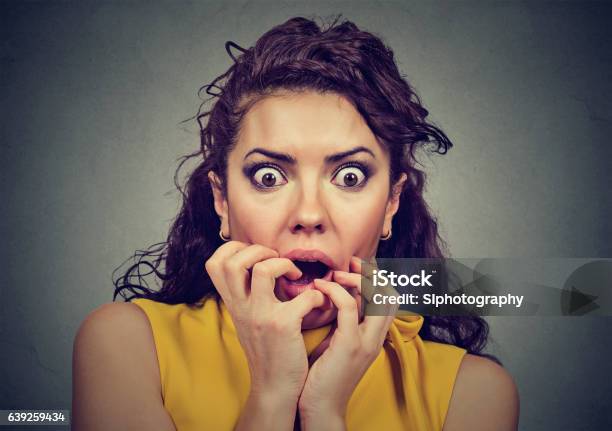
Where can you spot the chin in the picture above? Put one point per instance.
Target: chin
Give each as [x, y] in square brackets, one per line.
[318, 317]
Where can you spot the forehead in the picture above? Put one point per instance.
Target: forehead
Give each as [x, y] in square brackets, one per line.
[307, 123]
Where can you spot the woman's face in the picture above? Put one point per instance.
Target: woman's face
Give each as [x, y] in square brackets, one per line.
[307, 178]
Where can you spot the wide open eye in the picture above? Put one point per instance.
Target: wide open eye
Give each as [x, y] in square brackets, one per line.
[268, 177]
[350, 176]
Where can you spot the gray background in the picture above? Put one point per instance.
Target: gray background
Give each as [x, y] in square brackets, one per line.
[93, 95]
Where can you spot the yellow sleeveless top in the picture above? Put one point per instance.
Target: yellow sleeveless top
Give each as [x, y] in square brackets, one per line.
[205, 376]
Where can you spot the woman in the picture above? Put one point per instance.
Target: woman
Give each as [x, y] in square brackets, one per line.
[307, 167]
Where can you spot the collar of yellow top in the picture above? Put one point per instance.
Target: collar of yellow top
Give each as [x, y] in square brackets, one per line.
[406, 326]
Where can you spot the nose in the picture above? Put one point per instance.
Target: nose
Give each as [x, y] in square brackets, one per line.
[310, 214]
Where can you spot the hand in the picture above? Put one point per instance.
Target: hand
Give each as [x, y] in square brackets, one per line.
[268, 330]
[346, 354]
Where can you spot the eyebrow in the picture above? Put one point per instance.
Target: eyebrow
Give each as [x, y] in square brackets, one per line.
[291, 160]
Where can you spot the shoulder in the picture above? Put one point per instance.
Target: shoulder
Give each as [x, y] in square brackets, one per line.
[113, 334]
[108, 320]
[484, 397]
[115, 329]
[115, 369]
[114, 311]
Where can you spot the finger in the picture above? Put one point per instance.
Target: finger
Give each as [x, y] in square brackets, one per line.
[215, 266]
[228, 249]
[367, 269]
[347, 279]
[355, 264]
[353, 281]
[237, 268]
[375, 328]
[265, 273]
[252, 254]
[348, 317]
[364, 267]
[389, 309]
[305, 302]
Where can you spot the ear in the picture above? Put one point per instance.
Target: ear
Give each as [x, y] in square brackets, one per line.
[221, 207]
[393, 202]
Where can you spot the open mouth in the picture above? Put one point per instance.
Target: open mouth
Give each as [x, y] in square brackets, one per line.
[311, 269]
[313, 264]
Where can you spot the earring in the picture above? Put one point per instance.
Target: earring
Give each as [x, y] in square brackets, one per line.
[222, 237]
[386, 237]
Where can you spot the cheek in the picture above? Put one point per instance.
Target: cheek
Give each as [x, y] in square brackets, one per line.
[253, 217]
[359, 221]
[362, 210]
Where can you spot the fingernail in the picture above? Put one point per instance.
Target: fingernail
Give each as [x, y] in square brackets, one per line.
[294, 277]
